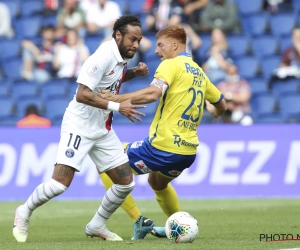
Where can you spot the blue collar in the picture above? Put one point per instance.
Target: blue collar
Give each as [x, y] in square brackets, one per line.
[184, 54]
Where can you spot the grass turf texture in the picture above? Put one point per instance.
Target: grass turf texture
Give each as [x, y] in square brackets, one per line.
[223, 224]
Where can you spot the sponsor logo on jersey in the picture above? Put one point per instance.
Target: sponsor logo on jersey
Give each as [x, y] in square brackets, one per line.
[93, 70]
[69, 153]
[136, 144]
[174, 173]
[179, 142]
[142, 167]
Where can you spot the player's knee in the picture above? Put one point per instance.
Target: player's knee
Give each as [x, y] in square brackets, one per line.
[156, 184]
[56, 187]
[125, 188]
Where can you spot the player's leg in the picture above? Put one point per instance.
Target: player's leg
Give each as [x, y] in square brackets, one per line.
[61, 180]
[109, 157]
[165, 193]
[166, 197]
[129, 205]
[142, 225]
[123, 184]
[67, 163]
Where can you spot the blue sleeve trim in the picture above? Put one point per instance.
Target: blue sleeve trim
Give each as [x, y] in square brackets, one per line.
[221, 97]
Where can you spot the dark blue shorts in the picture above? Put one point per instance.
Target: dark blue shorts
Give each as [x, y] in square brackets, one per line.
[144, 158]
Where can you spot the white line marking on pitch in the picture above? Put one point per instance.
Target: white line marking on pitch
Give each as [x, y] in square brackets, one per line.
[290, 249]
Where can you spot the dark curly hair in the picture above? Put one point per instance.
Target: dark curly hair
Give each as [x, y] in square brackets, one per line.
[123, 21]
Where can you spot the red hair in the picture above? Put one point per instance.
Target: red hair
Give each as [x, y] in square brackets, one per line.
[173, 31]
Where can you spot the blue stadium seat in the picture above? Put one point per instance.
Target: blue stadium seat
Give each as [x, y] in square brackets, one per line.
[23, 103]
[258, 86]
[285, 42]
[5, 90]
[28, 27]
[13, 6]
[263, 46]
[282, 24]
[49, 21]
[12, 68]
[54, 89]
[238, 45]
[202, 51]
[9, 120]
[72, 89]
[248, 66]
[93, 42]
[289, 106]
[7, 106]
[149, 55]
[135, 7]
[268, 65]
[264, 103]
[249, 7]
[281, 88]
[56, 107]
[24, 89]
[135, 85]
[122, 4]
[274, 118]
[152, 66]
[30, 8]
[9, 48]
[257, 24]
[296, 4]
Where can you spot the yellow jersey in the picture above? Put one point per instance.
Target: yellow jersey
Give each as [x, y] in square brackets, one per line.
[179, 113]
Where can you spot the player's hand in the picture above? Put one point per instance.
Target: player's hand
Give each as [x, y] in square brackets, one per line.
[129, 110]
[107, 95]
[211, 109]
[141, 69]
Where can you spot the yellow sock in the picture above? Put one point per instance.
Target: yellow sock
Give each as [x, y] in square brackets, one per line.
[128, 205]
[168, 200]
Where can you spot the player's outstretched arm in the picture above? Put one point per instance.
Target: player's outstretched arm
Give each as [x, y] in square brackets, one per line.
[128, 110]
[142, 96]
[216, 109]
[87, 96]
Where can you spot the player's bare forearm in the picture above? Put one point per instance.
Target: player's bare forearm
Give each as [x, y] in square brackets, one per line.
[129, 75]
[143, 96]
[218, 109]
[140, 70]
[87, 96]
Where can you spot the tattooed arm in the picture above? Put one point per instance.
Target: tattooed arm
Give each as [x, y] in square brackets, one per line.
[87, 96]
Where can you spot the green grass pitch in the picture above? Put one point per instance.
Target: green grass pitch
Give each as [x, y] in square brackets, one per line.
[224, 225]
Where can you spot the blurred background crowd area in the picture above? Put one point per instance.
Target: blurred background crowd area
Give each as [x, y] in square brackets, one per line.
[249, 49]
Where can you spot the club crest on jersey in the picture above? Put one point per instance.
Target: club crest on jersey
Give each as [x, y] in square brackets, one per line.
[174, 173]
[142, 167]
[111, 72]
[69, 153]
[93, 70]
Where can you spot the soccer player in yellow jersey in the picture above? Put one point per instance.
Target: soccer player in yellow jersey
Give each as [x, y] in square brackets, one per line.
[183, 89]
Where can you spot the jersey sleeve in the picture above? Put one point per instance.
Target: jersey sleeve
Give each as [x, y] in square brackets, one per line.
[212, 94]
[94, 68]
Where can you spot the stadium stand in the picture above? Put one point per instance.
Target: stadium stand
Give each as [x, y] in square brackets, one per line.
[256, 51]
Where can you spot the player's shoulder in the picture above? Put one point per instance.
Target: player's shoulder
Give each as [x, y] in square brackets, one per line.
[103, 53]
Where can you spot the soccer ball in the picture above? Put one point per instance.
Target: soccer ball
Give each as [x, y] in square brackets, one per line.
[181, 227]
